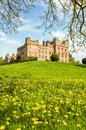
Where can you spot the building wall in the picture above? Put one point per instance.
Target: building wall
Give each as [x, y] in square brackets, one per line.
[43, 52]
[8, 58]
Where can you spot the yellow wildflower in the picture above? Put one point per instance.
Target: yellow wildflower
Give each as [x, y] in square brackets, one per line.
[7, 123]
[16, 117]
[44, 111]
[78, 125]
[84, 106]
[7, 118]
[18, 129]
[57, 109]
[46, 122]
[64, 123]
[2, 127]
[32, 127]
[77, 114]
[36, 122]
[66, 116]
[35, 119]
[14, 112]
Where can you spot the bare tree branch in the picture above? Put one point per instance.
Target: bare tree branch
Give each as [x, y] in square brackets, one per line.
[72, 11]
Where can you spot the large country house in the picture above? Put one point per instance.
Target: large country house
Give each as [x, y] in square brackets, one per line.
[43, 52]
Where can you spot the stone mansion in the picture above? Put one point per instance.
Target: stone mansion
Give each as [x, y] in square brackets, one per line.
[43, 52]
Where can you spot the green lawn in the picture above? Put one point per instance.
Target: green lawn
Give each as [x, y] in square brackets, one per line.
[43, 70]
[42, 96]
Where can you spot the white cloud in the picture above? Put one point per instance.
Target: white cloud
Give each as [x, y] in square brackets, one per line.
[29, 26]
[7, 44]
[2, 34]
[6, 40]
[80, 55]
[58, 34]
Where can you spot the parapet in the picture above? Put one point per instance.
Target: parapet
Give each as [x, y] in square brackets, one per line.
[66, 42]
[29, 41]
[56, 41]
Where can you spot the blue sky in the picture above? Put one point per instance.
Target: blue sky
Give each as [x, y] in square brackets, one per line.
[10, 43]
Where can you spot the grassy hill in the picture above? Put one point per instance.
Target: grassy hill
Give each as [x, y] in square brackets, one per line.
[43, 70]
[42, 96]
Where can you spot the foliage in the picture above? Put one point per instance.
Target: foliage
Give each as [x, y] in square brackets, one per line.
[19, 58]
[12, 12]
[54, 57]
[32, 58]
[73, 12]
[42, 104]
[84, 60]
[71, 59]
[1, 60]
[12, 60]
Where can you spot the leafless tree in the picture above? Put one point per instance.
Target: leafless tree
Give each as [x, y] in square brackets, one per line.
[74, 12]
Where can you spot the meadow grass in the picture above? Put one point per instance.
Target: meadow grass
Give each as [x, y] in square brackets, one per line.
[42, 96]
[43, 70]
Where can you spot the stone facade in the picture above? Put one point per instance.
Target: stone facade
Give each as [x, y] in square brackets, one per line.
[43, 52]
[8, 58]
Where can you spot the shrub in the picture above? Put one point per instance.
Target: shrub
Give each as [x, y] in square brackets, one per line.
[54, 57]
[32, 58]
[12, 60]
[84, 60]
[71, 59]
[19, 58]
[1, 60]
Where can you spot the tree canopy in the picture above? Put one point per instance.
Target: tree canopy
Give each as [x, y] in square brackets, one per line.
[73, 11]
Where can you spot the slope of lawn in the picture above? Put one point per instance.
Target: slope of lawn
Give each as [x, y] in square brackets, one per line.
[43, 70]
[42, 96]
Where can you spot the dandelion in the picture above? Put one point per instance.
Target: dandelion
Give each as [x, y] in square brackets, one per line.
[36, 122]
[35, 119]
[58, 120]
[18, 129]
[69, 113]
[32, 127]
[85, 107]
[15, 103]
[14, 112]
[61, 101]
[43, 106]
[24, 126]
[57, 109]
[36, 108]
[44, 111]
[67, 101]
[17, 117]
[78, 125]
[28, 113]
[49, 114]
[64, 123]
[77, 114]
[46, 122]
[2, 127]
[7, 118]
[66, 116]
[79, 102]
[73, 108]
[7, 123]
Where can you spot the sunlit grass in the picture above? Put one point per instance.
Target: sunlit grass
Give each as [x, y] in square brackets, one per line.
[39, 105]
[43, 70]
[42, 96]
